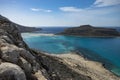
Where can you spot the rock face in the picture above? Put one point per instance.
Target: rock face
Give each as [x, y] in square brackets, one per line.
[9, 69]
[19, 62]
[21, 28]
[88, 30]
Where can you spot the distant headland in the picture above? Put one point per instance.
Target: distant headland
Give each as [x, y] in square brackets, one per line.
[88, 30]
[21, 28]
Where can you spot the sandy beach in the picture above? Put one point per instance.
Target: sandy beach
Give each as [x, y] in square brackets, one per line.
[37, 34]
[93, 69]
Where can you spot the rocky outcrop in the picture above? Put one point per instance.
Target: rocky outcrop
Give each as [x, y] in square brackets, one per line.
[15, 55]
[88, 30]
[11, 71]
[19, 62]
[21, 28]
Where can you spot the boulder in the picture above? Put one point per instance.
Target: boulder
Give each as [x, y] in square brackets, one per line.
[9, 53]
[11, 71]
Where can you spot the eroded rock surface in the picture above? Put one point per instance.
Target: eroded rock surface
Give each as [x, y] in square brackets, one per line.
[15, 55]
[9, 70]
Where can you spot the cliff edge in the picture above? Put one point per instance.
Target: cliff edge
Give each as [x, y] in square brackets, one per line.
[19, 62]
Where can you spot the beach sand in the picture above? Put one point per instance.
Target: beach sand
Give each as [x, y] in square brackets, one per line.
[73, 66]
[37, 34]
[89, 68]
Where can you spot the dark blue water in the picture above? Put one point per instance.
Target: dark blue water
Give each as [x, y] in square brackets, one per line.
[105, 50]
[53, 30]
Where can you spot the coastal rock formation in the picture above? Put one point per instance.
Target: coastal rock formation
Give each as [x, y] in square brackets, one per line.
[72, 66]
[16, 53]
[21, 28]
[88, 30]
[19, 62]
[11, 71]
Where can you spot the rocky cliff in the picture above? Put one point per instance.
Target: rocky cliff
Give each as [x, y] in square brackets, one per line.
[23, 29]
[88, 30]
[19, 62]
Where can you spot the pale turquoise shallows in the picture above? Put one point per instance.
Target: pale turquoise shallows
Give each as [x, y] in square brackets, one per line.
[105, 50]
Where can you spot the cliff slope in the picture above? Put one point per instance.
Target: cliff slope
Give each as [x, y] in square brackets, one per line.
[23, 29]
[19, 62]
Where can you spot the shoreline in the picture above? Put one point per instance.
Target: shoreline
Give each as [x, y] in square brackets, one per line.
[19, 62]
[38, 34]
[84, 66]
[42, 34]
[85, 58]
[89, 36]
[50, 34]
[103, 64]
[68, 55]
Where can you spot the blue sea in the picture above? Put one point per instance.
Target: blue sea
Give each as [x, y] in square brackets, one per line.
[102, 49]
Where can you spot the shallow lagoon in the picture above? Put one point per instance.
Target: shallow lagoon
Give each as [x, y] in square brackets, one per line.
[102, 49]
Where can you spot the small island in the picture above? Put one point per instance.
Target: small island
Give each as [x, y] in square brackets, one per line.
[88, 30]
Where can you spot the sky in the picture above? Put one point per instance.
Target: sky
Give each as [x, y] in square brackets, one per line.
[62, 12]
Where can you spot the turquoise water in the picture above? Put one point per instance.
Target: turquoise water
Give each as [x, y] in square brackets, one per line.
[105, 50]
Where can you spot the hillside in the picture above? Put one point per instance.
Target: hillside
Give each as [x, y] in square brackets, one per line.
[19, 62]
[21, 28]
[88, 30]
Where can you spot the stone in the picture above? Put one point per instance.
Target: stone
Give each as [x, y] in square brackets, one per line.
[25, 65]
[9, 53]
[11, 70]
[39, 75]
[7, 39]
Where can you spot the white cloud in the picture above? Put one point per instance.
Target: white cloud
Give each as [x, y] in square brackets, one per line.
[96, 17]
[35, 9]
[103, 3]
[43, 10]
[93, 16]
[47, 10]
[70, 9]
